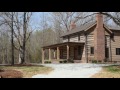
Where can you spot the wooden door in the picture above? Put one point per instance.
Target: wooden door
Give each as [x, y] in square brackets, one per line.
[75, 53]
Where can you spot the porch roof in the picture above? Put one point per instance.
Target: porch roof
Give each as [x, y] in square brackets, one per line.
[63, 44]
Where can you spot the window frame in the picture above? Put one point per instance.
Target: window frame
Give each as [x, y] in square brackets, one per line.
[117, 51]
[78, 37]
[68, 38]
[92, 50]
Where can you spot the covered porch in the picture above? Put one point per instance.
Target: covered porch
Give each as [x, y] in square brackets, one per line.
[63, 51]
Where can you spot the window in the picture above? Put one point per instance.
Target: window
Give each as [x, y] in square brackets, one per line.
[117, 51]
[92, 50]
[107, 52]
[68, 38]
[79, 50]
[78, 37]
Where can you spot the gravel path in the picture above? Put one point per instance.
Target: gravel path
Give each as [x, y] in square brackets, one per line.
[78, 70]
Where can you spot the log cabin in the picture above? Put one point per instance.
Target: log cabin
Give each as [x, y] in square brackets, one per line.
[82, 44]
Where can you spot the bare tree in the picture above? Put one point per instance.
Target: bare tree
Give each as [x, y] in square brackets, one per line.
[22, 37]
[12, 38]
[65, 18]
[115, 16]
[7, 18]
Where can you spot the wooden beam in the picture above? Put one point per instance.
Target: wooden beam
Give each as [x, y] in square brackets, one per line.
[110, 51]
[58, 53]
[43, 56]
[67, 51]
[49, 54]
[54, 53]
[86, 55]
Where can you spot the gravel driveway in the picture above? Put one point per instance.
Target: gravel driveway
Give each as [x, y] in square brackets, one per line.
[76, 70]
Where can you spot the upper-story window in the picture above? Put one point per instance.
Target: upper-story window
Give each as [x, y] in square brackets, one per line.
[68, 38]
[78, 37]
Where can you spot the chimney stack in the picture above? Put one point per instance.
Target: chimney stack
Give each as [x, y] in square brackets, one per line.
[99, 38]
[72, 25]
[99, 19]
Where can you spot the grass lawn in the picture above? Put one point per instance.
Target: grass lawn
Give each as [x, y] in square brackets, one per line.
[108, 72]
[29, 71]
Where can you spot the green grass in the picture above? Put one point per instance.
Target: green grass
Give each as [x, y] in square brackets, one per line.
[29, 71]
[113, 68]
[109, 72]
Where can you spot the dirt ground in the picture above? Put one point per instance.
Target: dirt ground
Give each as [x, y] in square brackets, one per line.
[10, 74]
[22, 71]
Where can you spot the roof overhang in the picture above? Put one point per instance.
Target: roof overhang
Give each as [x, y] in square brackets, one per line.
[63, 44]
[86, 27]
[108, 29]
[90, 27]
[73, 34]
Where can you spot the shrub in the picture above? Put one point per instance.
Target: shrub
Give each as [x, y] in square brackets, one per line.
[61, 61]
[65, 61]
[105, 60]
[47, 61]
[71, 60]
[99, 61]
[94, 61]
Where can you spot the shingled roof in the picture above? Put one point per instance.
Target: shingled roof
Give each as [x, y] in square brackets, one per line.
[84, 27]
[114, 28]
[79, 28]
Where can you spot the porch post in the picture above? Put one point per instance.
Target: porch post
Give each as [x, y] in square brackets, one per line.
[110, 51]
[49, 54]
[43, 56]
[58, 53]
[54, 53]
[67, 51]
[86, 55]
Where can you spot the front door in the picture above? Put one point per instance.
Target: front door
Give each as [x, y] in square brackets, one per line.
[77, 53]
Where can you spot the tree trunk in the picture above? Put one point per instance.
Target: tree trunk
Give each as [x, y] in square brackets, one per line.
[12, 43]
[19, 58]
[21, 61]
[24, 39]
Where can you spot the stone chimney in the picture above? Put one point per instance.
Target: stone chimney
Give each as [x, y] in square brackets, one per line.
[99, 36]
[72, 25]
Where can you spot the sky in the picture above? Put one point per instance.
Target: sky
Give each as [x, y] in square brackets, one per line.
[36, 19]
